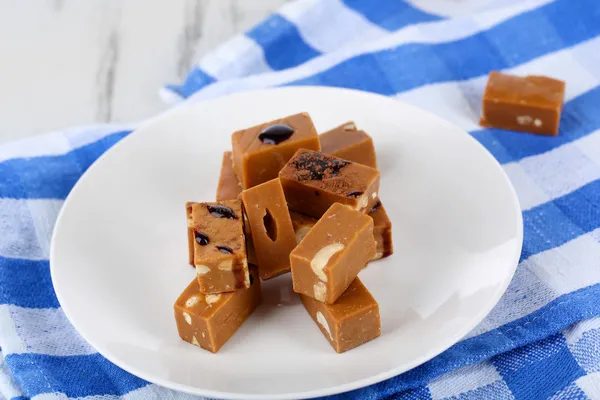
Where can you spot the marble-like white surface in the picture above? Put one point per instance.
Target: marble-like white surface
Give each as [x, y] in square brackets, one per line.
[67, 63]
[70, 62]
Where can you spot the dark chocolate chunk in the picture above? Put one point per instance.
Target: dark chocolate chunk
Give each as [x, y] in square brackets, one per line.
[276, 133]
[355, 193]
[317, 166]
[201, 238]
[375, 207]
[225, 249]
[218, 211]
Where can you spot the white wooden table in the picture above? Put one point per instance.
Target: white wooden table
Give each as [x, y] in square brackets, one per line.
[65, 63]
[70, 62]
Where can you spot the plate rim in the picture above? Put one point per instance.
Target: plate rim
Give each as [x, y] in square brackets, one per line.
[357, 384]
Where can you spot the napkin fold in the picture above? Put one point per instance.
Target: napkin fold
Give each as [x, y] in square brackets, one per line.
[542, 340]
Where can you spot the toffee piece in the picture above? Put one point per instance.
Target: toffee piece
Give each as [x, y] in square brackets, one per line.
[332, 253]
[382, 229]
[229, 186]
[271, 227]
[351, 321]
[209, 320]
[349, 143]
[529, 104]
[219, 246]
[261, 151]
[313, 181]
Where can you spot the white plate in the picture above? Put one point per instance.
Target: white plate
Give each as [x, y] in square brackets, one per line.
[119, 252]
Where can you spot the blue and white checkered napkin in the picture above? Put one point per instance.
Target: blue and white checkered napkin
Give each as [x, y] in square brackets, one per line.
[541, 341]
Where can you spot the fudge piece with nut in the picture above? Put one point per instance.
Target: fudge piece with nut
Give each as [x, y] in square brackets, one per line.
[382, 229]
[529, 104]
[332, 253]
[313, 181]
[216, 233]
[351, 321]
[209, 320]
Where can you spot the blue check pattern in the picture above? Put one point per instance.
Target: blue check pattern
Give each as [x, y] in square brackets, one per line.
[542, 341]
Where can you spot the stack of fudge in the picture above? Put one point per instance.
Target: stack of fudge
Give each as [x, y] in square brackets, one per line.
[288, 199]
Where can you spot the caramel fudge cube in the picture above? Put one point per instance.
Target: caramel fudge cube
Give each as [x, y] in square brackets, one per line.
[209, 320]
[261, 151]
[349, 143]
[219, 246]
[351, 321]
[382, 231]
[332, 253]
[313, 181]
[529, 104]
[271, 227]
[229, 186]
